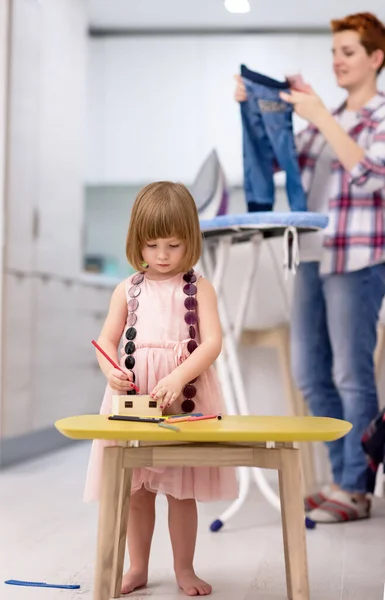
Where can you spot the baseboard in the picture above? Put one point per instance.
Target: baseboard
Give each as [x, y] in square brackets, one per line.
[31, 445]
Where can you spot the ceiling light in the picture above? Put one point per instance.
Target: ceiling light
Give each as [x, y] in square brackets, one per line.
[237, 6]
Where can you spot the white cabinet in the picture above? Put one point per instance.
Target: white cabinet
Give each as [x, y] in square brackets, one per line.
[18, 355]
[22, 194]
[62, 133]
[67, 378]
[43, 220]
[44, 204]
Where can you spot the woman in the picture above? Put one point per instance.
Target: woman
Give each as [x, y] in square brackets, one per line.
[340, 284]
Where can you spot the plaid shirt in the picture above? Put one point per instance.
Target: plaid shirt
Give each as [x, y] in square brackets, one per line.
[355, 236]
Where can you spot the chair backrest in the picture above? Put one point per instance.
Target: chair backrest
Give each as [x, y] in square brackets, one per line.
[209, 189]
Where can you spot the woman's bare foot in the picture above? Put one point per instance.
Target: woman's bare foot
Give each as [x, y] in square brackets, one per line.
[133, 580]
[192, 585]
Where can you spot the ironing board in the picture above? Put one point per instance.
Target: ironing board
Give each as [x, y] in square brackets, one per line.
[219, 235]
[232, 441]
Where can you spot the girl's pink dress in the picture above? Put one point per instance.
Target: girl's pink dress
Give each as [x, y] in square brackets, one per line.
[161, 341]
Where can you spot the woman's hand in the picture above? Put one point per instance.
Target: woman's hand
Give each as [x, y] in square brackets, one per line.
[307, 105]
[240, 91]
[119, 381]
[168, 390]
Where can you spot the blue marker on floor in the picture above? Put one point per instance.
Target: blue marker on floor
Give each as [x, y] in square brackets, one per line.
[41, 584]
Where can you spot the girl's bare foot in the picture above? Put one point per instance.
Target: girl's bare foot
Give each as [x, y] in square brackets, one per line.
[133, 580]
[192, 585]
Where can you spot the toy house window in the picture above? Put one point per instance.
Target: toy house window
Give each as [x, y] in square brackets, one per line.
[128, 404]
[152, 404]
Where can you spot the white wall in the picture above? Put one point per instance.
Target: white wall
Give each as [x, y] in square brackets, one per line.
[157, 105]
[110, 205]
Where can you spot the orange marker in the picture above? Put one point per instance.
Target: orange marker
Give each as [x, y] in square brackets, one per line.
[204, 417]
[200, 418]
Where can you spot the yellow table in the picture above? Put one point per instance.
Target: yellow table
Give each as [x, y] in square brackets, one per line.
[265, 442]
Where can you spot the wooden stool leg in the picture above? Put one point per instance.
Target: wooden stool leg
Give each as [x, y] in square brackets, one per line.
[121, 533]
[113, 518]
[297, 407]
[293, 525]
[284, 359]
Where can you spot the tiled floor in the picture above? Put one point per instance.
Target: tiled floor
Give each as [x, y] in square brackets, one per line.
[48, 534]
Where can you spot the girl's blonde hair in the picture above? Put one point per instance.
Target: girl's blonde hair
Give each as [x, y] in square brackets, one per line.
[163, 210]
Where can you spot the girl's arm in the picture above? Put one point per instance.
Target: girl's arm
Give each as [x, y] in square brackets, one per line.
[170, 387]
[110, 337]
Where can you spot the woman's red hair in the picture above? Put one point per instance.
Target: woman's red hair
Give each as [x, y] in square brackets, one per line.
[369, 28]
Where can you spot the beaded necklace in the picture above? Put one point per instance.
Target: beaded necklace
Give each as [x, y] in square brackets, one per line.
[191, 319]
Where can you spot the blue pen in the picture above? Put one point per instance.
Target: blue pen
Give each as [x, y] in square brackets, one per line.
[41, 584]
[184, 415]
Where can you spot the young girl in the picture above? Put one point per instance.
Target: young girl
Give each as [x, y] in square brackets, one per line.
[166, 316]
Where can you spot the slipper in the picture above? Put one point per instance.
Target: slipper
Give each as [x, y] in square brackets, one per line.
[341, 507]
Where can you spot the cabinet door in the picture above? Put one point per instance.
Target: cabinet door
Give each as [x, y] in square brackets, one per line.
[18, 354]
[62, 127]
[67, 378]
[24, 136]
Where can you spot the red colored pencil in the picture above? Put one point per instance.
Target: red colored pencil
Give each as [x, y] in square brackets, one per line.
[113, 363]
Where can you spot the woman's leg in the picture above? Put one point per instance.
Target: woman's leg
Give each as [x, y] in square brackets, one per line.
[141, 521]
[311, 356]
[183, 525]
[353, 302]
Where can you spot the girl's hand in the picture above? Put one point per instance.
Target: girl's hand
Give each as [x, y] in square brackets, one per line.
[167, 390]
[307, 105]
[119, 381]
[240, 91]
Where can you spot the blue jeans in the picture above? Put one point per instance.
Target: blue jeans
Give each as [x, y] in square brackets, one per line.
[333, 337]
[268, 139]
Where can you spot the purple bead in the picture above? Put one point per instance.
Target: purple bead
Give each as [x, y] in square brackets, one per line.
[134, 291]
[132, 304]
[191, 346]
[138, 278]
[189, 391]
[131, 319]
[188, 406]
[191, 331]
[129, 348]
[190, 318]
[190, 303]
[131, 333]
[190, 289]
[130, 362]
[190, 277]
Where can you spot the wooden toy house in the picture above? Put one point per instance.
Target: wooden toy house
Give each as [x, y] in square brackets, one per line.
[138, 406]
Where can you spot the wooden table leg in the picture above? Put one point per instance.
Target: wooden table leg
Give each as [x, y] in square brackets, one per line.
[293, 525]
[113, 517]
